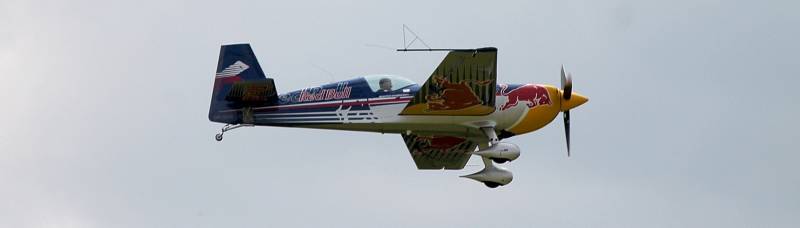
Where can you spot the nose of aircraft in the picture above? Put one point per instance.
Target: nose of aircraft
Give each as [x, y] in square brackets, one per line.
[574, 101]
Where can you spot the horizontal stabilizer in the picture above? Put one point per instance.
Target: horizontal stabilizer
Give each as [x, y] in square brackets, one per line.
[253, 93]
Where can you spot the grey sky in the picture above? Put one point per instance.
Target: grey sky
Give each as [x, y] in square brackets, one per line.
[691, 120]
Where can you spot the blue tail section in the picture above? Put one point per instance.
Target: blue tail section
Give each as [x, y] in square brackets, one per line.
[239, 83]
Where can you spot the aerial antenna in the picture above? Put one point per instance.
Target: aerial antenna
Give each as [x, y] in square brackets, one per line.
[406, 44]
[379, 46]
[323, 70]
[416, 37]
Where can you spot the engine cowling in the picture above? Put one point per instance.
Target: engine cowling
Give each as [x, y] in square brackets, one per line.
[500, 152]
[492, 176]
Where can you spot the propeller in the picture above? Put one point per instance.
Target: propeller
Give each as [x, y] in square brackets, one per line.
[566, 85]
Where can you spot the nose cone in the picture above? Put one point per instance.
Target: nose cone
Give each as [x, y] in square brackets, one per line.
[574, 101]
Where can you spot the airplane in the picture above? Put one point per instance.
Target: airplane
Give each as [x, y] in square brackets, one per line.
[458, 112]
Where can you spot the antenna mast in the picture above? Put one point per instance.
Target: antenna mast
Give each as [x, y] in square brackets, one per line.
[406, 44]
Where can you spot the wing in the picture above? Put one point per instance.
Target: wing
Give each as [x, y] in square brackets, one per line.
[439, 151]
[462, 85]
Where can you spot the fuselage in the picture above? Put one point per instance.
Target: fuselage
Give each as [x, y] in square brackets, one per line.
[360, 105]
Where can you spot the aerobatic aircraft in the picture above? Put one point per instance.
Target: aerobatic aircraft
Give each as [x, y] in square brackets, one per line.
[460, 111]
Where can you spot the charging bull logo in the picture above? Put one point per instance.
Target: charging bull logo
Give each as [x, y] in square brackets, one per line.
[534, 95]
[445, 95]
[428, 144]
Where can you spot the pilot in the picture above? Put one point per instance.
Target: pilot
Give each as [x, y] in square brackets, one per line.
[386, 85]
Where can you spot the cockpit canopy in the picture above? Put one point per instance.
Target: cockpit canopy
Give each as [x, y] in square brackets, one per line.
[387, 83]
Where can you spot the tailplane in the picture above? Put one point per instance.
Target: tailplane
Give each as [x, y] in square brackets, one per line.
[239, 85]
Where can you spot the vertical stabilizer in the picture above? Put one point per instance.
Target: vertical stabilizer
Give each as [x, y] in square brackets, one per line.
[238, 83]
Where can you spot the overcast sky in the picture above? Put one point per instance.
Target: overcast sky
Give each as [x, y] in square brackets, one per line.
[692, 118]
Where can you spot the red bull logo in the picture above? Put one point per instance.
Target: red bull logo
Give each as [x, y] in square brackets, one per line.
[428, 144]
[533, 95]
[446, 95]
[319, 94]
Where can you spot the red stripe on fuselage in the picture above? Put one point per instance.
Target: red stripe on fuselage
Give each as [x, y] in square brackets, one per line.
[397, 100]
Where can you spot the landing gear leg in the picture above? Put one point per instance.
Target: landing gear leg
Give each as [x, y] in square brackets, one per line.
[489, 132]
[229, 127]
[491, 175]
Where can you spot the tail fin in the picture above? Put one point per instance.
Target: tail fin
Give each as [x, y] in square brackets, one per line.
[239, 83]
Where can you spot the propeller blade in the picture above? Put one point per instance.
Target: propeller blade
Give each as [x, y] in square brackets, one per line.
[568, 87]
[566, 83]
[566, 129]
